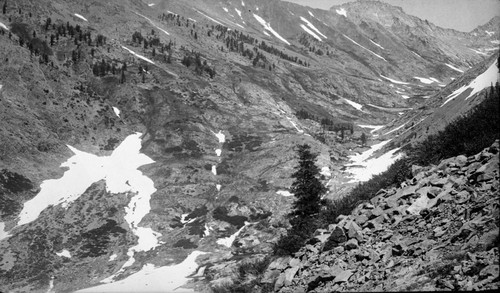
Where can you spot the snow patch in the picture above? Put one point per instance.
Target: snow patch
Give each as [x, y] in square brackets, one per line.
[495, 42]
[117, 111]
[268, 27]
[405, 97]
[242, 3]
[377, 55]
[64, 253]
[454, 68]
[393, 80]
[228, 241]
[112, 257]
[310, 25]
[354, 104]
[153, 279]
[284, 193]
[206, 232]
[3, 26]
[151, 4]
[325, 171]
[192, 19]
[484, 80]
[3, 233]
[378, 45]
[220, 136]
[225, 9]
[214, 170]
[489, 33]
[218, 152]
[218, 186]
[81, 17]
[310, 13]
[137, 55]
[341, 11]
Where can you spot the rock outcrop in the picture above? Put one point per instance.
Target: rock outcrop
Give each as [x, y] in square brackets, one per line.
[438, 231]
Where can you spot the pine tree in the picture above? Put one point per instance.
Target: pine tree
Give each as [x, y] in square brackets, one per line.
[308, 189]
[363, 139]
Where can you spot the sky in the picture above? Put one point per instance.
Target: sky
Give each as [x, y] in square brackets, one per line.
[462, 15]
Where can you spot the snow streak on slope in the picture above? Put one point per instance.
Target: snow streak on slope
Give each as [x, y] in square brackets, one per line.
[268, 27]
[373, 127]
[454, 68]
[487, 78]
[310, 13]
[153, 24]
[151, 4]
[137, 55]
[377, 55]
[341, 11]
[307, 30]
[239, 12]
[363, 168]
[64, 253]
[209, 17]
[354, 104]
[426, 80]
[310, 25]
[396, 129]
[479, 52]
[81, 17]
[393, 80]
[295, 125]
[225, 9]
[378, 45]
[152, 279]
[3, 26]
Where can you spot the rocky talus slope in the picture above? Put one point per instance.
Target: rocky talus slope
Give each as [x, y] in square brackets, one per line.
[438, 231]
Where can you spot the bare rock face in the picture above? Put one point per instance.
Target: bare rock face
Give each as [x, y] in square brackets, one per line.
[443, 235]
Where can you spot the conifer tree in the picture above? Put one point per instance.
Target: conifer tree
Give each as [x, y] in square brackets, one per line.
[308, 190]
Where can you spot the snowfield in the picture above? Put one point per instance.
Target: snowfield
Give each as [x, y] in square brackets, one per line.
[154, 279]
[81, 17]
[307, 30]
[363, 168]
[268, 27]
[487, 78]
[376, 55]
[119, 170]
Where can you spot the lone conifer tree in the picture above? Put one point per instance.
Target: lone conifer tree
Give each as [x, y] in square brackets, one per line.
[308, 190]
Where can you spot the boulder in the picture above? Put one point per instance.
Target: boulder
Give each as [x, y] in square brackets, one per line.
[289, 274]
[351, 244]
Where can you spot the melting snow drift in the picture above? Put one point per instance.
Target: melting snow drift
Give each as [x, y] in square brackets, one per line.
[341, 11]
[3, 26]
[137, 55]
